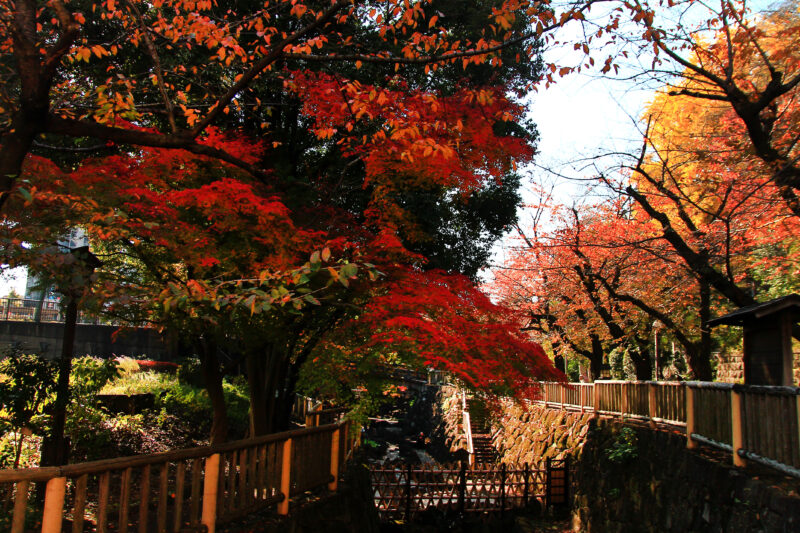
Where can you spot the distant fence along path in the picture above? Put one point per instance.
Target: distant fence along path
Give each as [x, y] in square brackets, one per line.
[27, 310]
[194, 489]
[756, 423]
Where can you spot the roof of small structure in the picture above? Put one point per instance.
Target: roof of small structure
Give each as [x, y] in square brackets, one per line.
[756, 311]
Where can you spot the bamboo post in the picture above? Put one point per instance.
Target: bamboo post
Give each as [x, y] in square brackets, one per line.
[690, 424]
[651, 403]
[334, 461]
[286, 477]
[737, 429]
[210, 488]
[53, 511]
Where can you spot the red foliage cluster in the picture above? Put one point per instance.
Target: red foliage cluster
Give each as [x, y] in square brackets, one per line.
[147, 365]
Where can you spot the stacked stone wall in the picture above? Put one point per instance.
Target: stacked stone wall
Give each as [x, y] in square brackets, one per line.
[531, 434]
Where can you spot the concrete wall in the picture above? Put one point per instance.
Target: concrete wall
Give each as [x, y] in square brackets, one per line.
[46, 338]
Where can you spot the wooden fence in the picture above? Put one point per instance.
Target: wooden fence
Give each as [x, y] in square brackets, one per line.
[181, 490]
[755, 423]
[402, 491]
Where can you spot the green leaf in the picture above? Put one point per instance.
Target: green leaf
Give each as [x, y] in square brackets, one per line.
[350, 270]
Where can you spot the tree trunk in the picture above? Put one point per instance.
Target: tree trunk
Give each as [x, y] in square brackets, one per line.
[641, 363]
[256, 379]
[265, 373]
[54, 449]
[213, 381]
[596, 359]
[699, 359]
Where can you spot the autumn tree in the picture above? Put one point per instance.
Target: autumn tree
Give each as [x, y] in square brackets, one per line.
[222, 243]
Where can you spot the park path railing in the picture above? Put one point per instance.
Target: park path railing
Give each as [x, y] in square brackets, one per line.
[193, 489]
[757, 423]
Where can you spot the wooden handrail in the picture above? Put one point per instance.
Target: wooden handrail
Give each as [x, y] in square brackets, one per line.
[745, 420]
[233, 477]
[118, 463]
[466, 424]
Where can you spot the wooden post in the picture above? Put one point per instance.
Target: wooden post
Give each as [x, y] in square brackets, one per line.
[334, 461]
[526, 487]
[581, 397]
[462, 487]
[737, 429]
[623, 399]
[309, 420]
[53, 511]
[20, 506]
[797, 413]
[690, 443]
[502, 490]
[210, 488]
[408, 493]
[286, 477]
[596, 399]
[563, 395]
[651, 403]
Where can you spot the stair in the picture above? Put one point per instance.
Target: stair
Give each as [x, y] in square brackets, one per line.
[482, 446]
[484, 452]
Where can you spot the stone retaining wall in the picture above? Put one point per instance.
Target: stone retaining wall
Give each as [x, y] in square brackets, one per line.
[634, 479]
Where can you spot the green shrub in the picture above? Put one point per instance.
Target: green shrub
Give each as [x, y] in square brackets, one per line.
[625, 447]
[191, 372]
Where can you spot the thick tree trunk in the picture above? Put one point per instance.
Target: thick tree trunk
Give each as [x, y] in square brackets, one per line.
[213, 380]
[15, 146]
[266, 371]
[256, 373]
[596, 359]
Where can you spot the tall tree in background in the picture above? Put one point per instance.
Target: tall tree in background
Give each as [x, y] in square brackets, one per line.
[697, 221]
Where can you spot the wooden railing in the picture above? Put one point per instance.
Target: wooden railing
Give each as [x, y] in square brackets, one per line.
[755, 423]
[401, 491]
[321, 417]
[304, 405]
[466, 427]
[191, 489]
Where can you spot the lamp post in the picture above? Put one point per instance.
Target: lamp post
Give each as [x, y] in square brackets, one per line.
[657, 326]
